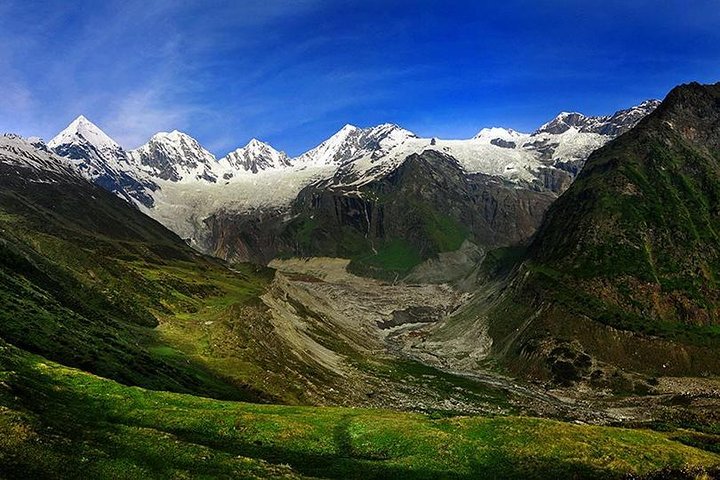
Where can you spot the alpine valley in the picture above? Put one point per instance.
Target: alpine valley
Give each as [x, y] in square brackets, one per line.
[513, 305]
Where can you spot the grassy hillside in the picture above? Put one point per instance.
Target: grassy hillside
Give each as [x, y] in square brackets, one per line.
[88, 281]
[640, 228]
[59, 422]
[623, 271]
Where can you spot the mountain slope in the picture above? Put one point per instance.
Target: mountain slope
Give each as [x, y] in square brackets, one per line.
[645, 216]
[61, 423]
[426, 206]
[624, 269]
[84, 279]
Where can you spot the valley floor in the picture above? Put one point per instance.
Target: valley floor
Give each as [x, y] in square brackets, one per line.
[396, 325]
[315, 335]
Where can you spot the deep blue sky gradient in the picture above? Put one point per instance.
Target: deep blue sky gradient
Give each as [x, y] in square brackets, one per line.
[293, 72]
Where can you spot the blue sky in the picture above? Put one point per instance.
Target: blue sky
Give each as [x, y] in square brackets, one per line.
[293, 72]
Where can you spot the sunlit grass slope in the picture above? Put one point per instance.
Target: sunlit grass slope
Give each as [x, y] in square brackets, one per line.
[59, 422]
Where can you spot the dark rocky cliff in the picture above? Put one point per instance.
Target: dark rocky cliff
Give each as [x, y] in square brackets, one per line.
[426, 206]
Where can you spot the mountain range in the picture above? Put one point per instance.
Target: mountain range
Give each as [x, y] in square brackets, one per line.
[176, 181]
[569, 273]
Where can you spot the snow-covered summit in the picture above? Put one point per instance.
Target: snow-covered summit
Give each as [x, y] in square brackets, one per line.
[84, 141]
[332, 150]
[254, 157]
[614, 124]
[564, 121]
[100, 159]
[497, 132]
[351, 143]
[34, 161]
[175, 156]
[83, 130]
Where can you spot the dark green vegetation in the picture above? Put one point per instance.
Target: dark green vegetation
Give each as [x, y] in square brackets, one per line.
[62, 423]
[89, 282]
[625, 267]
[426, 206]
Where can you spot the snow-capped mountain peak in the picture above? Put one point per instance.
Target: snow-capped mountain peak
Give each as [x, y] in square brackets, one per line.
[347, 128]
[498, 136]
[563, 122]
[85, 143]
[331, 150]
[82, 129]
[254, 157]
[613, 125]
[497, 132]
[36, 162]
[388, 132]
[351, 143]
[100, 159]
[175, 156]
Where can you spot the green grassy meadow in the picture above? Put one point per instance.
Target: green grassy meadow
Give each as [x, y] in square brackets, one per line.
[59, 422]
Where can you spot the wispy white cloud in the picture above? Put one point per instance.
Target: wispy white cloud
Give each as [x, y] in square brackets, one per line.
[133, 66]
[133, 118]
[291, 71]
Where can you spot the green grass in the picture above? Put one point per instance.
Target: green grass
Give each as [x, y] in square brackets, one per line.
[59, 422]
[446, 384]
[91, 283]
[394, 258]
[500, 261]
[445, 233]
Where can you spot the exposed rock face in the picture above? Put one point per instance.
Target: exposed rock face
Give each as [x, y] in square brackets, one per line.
[175, 156]
[426, 206]
[254, 157]
[499, 142]
[245, 237]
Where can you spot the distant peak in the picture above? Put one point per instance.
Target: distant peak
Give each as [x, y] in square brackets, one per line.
[82, 129]
[563, 122]
[256, 156]
[346, 130]
[388, 125]
[255, 147]
[569, 114]
[389, 130]
[497, 132]
[175, 134]
[254, 142]
[82, 121]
